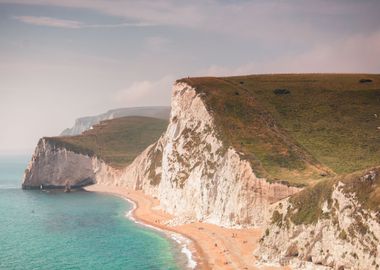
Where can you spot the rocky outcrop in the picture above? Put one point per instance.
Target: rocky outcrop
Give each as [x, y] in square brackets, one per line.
[345, 236]
[85, 123]
[56, 167]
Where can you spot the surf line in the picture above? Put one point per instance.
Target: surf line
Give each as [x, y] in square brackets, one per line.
[181, 240]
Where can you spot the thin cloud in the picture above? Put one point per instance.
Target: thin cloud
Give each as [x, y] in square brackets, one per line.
[270, 20]
[137, 24]
[359, 53]
[71, 24]
[48, 21]
[170, 12]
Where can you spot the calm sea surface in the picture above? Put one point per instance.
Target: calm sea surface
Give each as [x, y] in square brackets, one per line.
[78, 230]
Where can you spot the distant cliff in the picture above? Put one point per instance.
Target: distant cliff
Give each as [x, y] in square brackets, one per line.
[85, 123]
[77, 160]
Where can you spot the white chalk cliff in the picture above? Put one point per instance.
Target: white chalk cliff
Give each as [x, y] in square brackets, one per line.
[55, 167]
[346, 236]
[191, 171]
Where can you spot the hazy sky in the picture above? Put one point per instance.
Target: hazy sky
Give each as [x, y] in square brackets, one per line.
[62, 59]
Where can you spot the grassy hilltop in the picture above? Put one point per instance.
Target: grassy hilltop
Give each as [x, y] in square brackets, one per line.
[298, 127]
[117, 141]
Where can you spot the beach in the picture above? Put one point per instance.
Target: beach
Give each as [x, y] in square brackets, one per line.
[211, 246]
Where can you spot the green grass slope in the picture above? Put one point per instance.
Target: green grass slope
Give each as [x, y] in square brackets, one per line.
[321, 124]
[364, 185]
[117, 141]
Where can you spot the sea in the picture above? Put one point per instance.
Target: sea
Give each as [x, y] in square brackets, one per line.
[77, 230]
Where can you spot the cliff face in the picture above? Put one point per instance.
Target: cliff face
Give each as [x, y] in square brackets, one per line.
[198, 177]
[191, 171]
[345, 236]
[56, 167]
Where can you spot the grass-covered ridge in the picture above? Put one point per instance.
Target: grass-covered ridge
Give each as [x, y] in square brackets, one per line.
[364, 186]
[117, 141]
[295, 127]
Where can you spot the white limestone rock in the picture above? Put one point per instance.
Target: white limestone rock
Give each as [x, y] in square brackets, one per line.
[346, 239]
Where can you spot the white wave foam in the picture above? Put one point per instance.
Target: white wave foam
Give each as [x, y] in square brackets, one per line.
[184, 242]
[9, 187]
[180, 239]
[190, 261]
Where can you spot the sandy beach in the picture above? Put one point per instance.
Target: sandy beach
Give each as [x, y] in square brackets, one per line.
[212, 247]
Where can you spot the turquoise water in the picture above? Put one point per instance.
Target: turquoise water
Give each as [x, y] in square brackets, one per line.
[78, 230]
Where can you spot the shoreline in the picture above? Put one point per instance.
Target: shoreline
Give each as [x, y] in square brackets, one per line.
[209, 246]
[191, 263]
[192, 250]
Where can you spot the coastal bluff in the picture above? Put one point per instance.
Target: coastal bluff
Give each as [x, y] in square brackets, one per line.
[53, 167]
[251, 151]
[188, 164]
[96, 154]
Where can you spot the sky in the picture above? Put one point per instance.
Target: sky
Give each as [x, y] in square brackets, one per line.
[60, 60]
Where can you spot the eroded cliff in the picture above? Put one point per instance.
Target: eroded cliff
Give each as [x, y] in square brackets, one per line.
[197, 176]
[190, 169]
[97, 155]
[335, 224]
[56, 167]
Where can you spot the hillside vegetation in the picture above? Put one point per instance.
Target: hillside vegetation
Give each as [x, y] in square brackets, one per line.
[299, 127]
[117, 141]
[364, 185]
